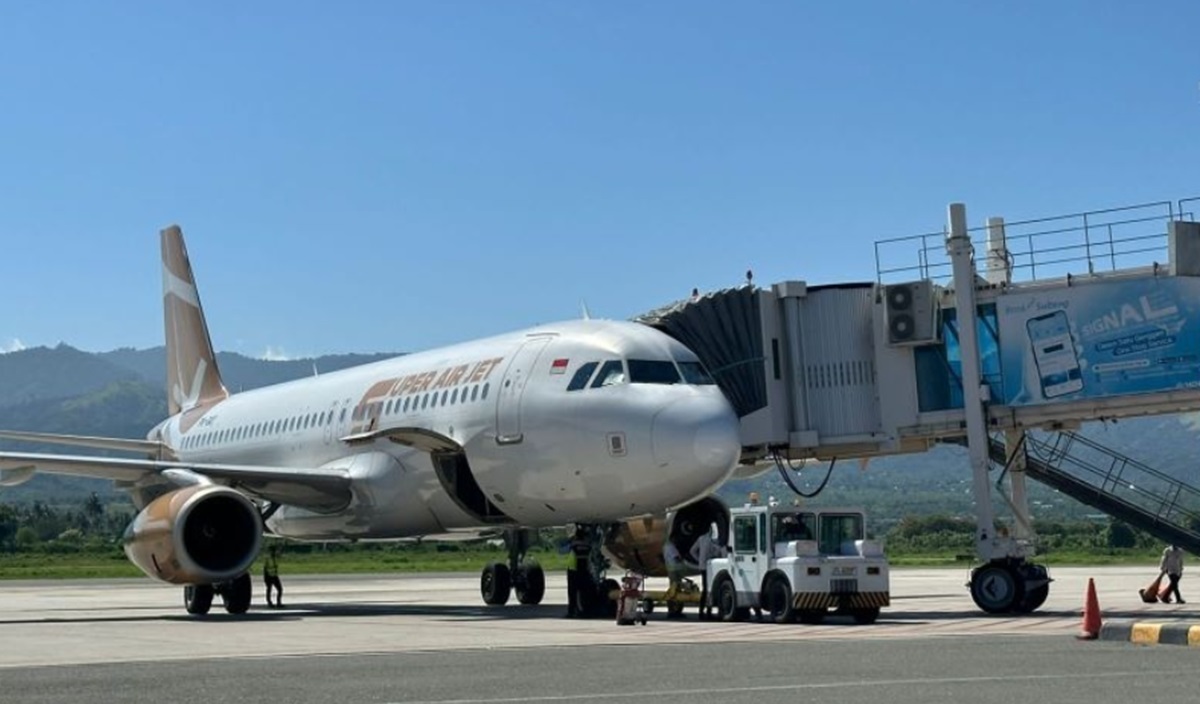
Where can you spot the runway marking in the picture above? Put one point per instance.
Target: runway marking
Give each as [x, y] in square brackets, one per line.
[924, 682]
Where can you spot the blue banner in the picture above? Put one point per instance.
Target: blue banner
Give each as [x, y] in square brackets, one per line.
[1100, 339]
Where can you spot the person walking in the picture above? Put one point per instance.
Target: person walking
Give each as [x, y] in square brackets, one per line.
[271, 577]
[1171, 565]
[705, 549]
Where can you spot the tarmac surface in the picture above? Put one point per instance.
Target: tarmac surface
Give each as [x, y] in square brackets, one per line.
[428, 638]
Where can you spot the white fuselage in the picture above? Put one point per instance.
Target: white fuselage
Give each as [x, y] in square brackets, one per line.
[642, 435]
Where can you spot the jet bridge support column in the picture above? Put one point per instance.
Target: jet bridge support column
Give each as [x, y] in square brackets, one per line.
[1005, 579]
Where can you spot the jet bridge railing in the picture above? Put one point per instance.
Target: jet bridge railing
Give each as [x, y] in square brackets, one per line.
[1077, 244]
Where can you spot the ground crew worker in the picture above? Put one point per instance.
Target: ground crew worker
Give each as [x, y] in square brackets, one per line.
[271, 577]
[1172, 566]
[675, 567]
[579, 552]
[705, 549]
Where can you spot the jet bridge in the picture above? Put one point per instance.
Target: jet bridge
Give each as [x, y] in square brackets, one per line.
[965, 334]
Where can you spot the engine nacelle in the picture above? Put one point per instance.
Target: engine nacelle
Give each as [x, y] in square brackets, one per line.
[196, 535]
[638, 543]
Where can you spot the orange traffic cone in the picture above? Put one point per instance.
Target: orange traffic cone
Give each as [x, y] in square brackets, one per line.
[1091, 614]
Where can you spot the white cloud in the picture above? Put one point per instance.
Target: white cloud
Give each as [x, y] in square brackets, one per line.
[275, 354]
[13, 345]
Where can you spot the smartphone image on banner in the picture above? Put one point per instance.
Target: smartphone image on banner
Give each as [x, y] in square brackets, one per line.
[1054, 353]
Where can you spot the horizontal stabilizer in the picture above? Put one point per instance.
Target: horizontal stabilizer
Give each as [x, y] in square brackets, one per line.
[316, 489]
[421, 439]
[148, 447]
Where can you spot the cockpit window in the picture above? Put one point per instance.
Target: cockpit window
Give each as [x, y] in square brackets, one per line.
[582, 375]
[611, 374]
[695, 373]
[646, 371]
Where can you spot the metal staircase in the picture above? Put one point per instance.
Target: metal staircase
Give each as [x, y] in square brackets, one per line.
[1124, 488]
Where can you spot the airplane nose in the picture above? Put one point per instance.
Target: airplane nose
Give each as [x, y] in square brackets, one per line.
[696, 433]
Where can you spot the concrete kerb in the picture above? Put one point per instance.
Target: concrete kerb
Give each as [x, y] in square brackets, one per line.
[1151, 632]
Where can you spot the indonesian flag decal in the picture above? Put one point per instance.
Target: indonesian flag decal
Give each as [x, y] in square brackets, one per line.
[559, 366]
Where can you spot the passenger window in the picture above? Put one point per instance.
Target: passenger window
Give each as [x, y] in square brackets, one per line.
[582, 375]
[483, 396]
[646, 371]
[475, 392]
[445, 395]
[343, 415]
[695, 373]
[611, 374]
[454, 397]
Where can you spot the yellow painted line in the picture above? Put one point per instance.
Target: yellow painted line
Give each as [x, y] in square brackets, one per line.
[1194, 636]
[1145, 633]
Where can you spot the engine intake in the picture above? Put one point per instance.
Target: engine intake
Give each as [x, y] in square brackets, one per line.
[195, 535]
[638, 543]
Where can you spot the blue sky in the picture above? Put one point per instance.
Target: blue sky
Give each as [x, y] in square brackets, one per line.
[392, 176]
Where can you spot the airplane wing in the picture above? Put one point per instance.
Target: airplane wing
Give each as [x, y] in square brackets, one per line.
[149, 447]
[312, 488]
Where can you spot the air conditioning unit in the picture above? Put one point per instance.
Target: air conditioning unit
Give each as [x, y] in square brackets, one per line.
[911, 313]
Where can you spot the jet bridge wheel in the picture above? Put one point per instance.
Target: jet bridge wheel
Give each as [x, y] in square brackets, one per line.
[198, 598]
[495, 584]
[996, 589]
[530, 584]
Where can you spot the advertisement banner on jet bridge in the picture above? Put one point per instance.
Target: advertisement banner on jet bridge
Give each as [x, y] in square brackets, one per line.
[1096, 340]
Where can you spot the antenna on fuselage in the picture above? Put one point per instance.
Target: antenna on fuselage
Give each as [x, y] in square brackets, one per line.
[587, 314]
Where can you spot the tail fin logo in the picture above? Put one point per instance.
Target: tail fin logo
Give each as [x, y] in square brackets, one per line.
[192, 376]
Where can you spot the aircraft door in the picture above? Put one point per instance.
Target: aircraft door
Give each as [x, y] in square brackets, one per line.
[512, 386]
[342, 420]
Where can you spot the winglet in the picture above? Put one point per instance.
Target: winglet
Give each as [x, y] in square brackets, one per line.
[192, 375]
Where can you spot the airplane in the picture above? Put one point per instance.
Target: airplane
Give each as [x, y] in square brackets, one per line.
[612, 426]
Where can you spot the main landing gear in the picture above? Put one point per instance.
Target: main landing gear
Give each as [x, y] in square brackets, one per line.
[235, 595]
[520, 574]
[1010, 585]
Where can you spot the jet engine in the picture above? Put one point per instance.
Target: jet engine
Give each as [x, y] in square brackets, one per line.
[200, 534]
[638, 543]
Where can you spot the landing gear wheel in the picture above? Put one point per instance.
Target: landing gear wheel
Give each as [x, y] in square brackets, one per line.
[777, 600]
[198, 598]
[812, 617]
[495, 584]
[995, 588]
[674, 609]
[866, 616]
[530, 584]
[236, 595]
[725, 596]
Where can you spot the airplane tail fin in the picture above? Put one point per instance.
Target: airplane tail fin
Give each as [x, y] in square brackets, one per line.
[192, 375]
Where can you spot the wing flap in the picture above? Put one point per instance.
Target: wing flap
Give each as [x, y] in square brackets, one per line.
[316, 489]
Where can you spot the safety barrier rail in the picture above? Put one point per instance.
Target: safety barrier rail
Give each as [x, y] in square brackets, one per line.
[1066, 245]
